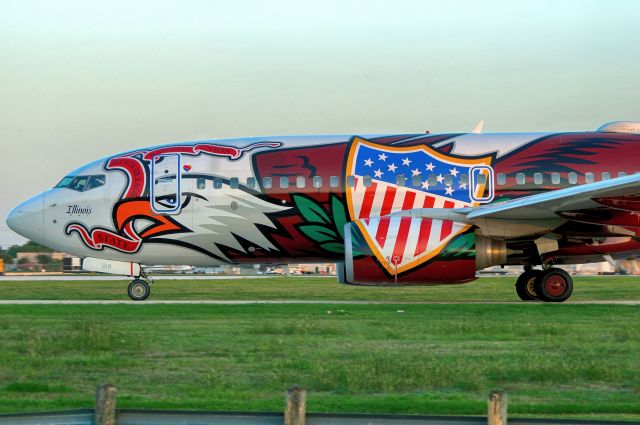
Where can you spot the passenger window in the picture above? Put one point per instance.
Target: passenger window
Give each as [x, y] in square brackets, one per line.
[334, 181]
[464, 178]
[351, 181]
[555, 178]
[366, 180]
[606, 176]
[520, 179]
[622, 174]
[537, 178]
[572, 177]
[251, 182]
[301, 182]
[501, 179]
[400, 180]
[416, 180]
[217, 183]
[234, 183]
[317, 182]
[432, 180]
[267, 182]
[95, 181]
[201, 183]
[448, 179]
[588, 177]
[482, 178]
[284, 182]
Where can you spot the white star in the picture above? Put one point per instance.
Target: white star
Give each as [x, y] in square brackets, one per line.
[406, 161]
[430, 166]
[368, 162]
[415, 172]
[440, 178]
[425, 184]
[449, 190]
[378, 173]
[382, 157]
[392, 168]
[454, 172]
[463, 185]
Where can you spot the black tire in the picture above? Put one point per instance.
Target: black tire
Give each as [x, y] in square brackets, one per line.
[138, 290]
[554, 285]
[525, 285]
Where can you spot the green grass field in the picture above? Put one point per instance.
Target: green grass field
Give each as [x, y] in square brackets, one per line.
[553, 359]
[311, 288]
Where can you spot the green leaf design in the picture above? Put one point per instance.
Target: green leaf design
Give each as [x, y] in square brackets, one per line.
[318, 233]
[311, 211]
[339, 215]
[327, 231]
[461, 246]
[333, 247]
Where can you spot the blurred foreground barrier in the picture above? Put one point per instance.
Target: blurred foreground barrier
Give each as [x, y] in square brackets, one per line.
[105, 413]
[497, 408]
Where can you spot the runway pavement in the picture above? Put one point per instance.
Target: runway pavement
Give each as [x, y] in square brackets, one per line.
[322, 302]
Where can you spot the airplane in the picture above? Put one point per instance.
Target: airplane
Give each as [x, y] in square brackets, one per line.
[402, 209]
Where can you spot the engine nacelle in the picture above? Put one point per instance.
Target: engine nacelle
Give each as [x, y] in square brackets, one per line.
[416, 251]
[490, 252]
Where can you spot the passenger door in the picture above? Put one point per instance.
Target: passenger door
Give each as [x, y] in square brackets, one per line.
[165, 184]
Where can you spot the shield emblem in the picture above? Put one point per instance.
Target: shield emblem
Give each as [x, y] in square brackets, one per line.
[387, 179]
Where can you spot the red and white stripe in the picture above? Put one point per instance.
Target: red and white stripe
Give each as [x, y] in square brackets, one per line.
[402, 240]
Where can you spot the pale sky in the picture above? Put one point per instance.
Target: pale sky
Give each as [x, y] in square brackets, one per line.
[80, 80]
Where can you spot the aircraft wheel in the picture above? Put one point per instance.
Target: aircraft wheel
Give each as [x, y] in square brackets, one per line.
[554, 285]
[525, 285]
[139, 290]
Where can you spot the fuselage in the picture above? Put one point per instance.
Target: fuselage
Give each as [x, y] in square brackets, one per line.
[287, 199]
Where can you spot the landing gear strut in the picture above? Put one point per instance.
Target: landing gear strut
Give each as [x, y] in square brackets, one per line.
[551, 285]
[139, 290]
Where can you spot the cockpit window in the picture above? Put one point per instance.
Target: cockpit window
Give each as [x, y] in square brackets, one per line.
[95, 181]
[82, 183]
[79, 184]
[65, 182]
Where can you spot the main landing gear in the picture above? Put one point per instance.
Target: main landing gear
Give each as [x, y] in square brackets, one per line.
[139, 289]
[552, 285]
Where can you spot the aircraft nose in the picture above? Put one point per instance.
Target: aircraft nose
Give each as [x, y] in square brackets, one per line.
[27, 219]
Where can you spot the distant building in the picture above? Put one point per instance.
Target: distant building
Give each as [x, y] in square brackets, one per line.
[32, 257]
[31, 261]
[71, 264]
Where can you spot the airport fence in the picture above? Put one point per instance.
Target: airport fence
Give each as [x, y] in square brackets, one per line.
[106, 413]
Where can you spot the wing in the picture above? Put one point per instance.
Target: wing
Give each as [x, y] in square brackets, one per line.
[549, 204]
[540, 213]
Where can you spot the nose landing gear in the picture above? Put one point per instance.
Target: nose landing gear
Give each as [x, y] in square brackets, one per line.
[139, 290]
[550, 285]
